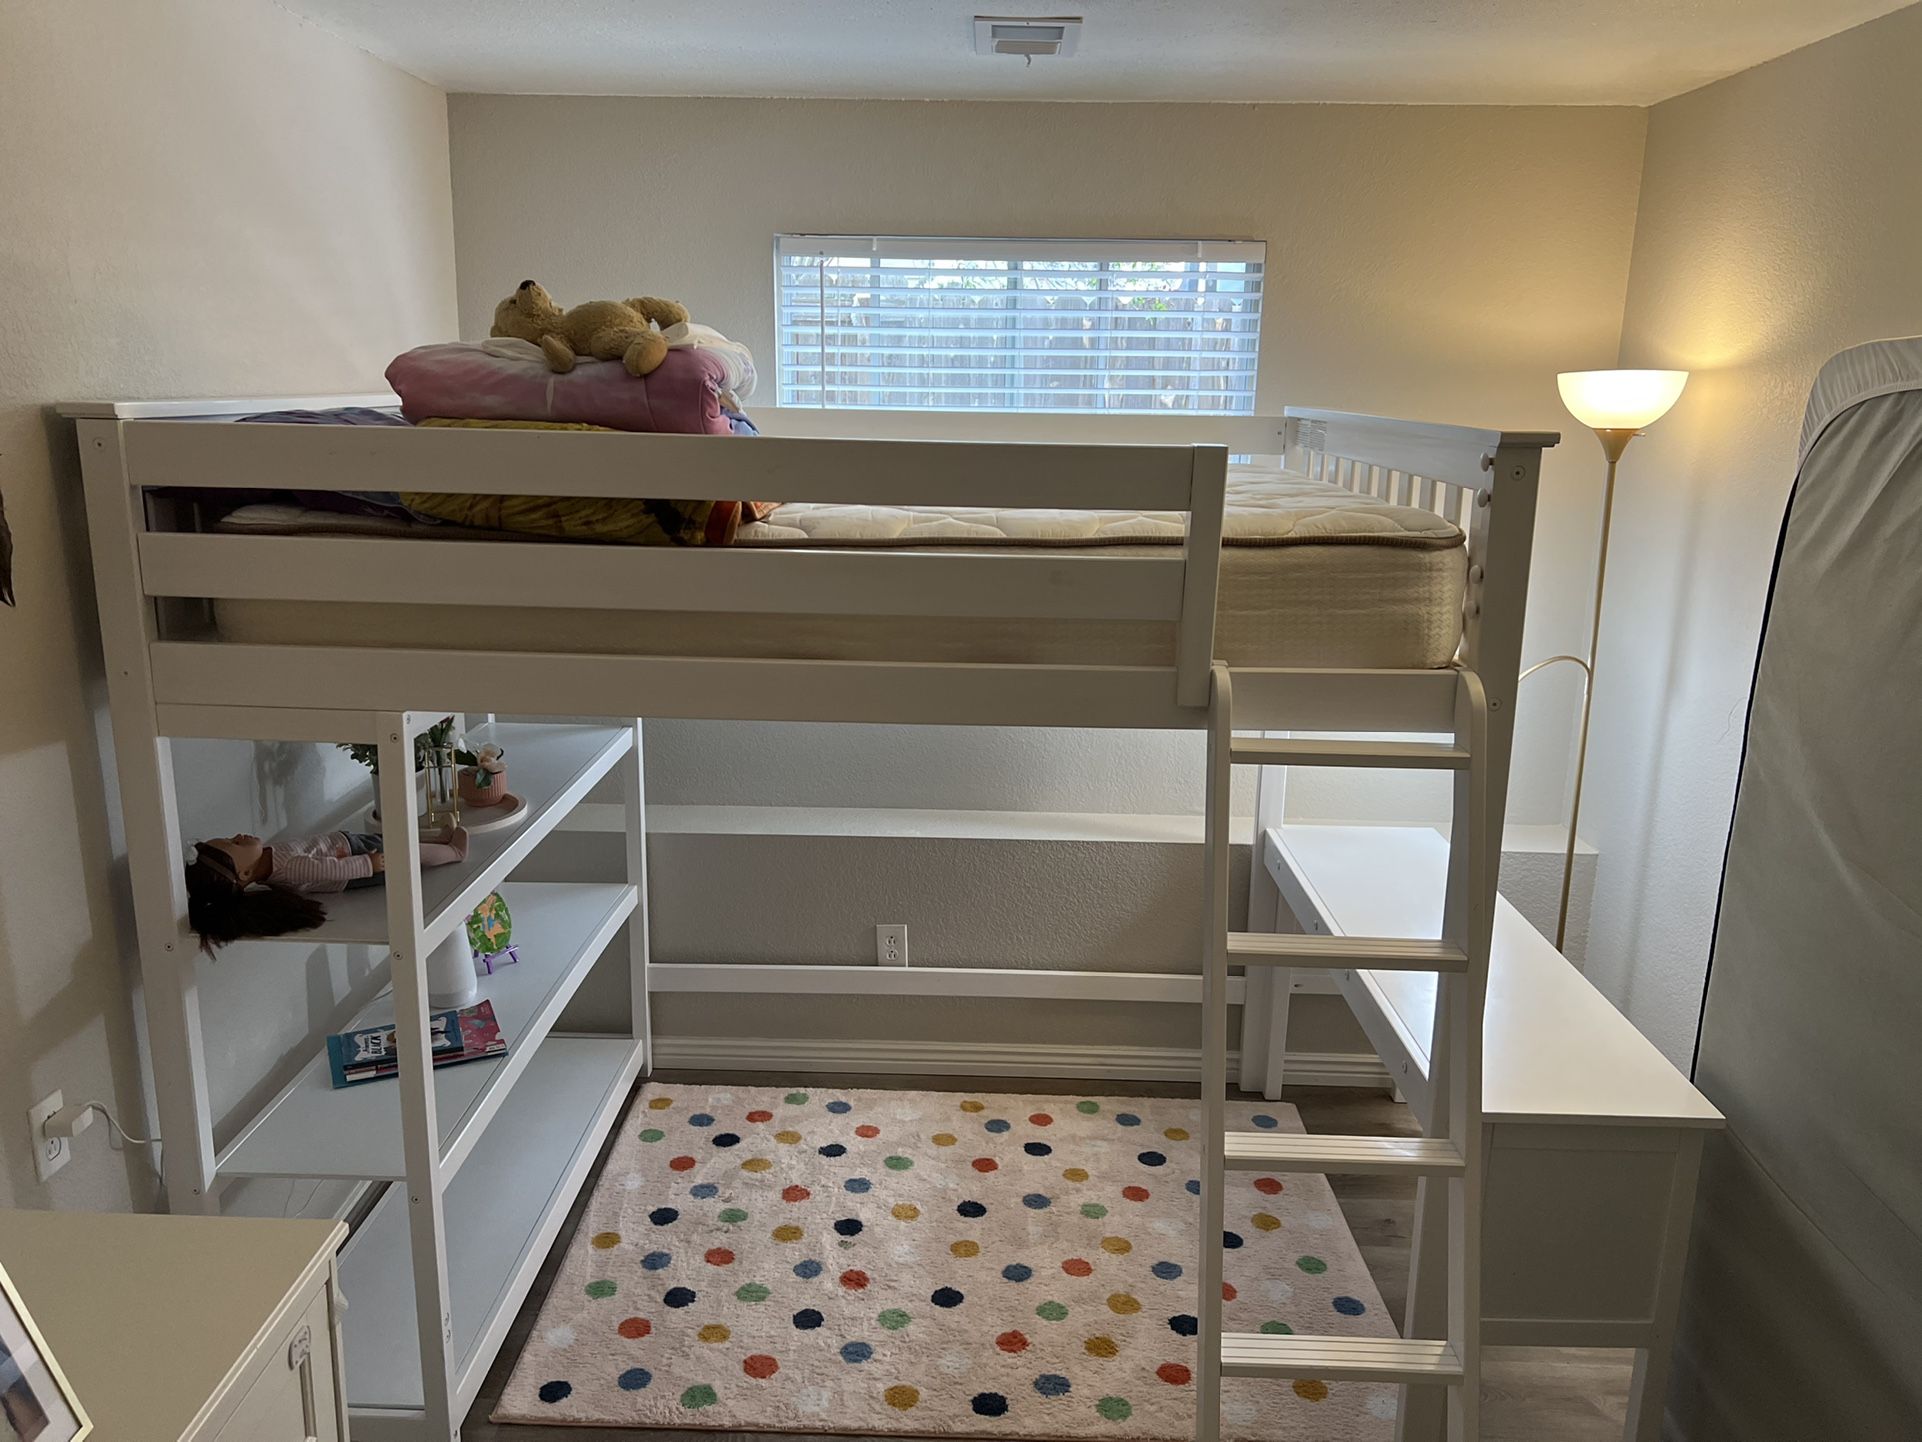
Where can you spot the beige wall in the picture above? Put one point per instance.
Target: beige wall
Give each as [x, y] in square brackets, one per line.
[1781, 221]
[222, 199]
[1441, 263]
[1432, 262]
[199, 198]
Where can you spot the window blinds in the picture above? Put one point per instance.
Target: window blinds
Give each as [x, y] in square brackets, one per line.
[914, 323]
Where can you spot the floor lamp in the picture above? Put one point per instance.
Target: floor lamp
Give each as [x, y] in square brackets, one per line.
[1616, 405]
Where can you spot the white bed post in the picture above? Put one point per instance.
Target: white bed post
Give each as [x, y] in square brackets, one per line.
[1468, 921]
[155, 863]
[1216, 851]
[1200, 681]
[419, 1126]
[1201, 574]
[1501, 531]
[1501, 540]
[634, 799]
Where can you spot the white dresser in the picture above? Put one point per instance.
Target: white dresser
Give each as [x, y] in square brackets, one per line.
[187, 1329]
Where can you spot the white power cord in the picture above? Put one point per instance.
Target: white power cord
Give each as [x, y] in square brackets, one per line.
[312, 1192]
[72, 1121]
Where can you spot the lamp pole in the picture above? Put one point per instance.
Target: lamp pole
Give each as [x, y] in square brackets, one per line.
[1614, 441]
[1616, 405]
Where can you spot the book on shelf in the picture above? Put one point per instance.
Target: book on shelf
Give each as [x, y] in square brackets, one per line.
[454, 1036]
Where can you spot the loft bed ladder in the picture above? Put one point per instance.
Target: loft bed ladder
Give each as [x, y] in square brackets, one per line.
[1450, 1154]
[1456, 473]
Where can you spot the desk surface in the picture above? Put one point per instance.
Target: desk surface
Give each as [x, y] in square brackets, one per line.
[148, 1315]
[1555, 1050]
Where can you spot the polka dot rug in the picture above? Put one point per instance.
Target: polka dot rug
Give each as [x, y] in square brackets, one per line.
[935, 1263]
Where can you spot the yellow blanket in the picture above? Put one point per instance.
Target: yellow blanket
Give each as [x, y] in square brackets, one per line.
[622, 519]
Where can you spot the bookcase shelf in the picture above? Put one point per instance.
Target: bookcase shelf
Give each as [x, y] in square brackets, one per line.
[313, 1129]
[462, 1176]
[553, 767]
[502, 1214]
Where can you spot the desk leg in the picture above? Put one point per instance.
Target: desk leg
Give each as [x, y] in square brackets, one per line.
[1281, 992]
[1423, 1413]
[1254, 1028]
[1269, 989]
[1648, 1390]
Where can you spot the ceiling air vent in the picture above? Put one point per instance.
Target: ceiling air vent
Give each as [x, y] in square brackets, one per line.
[1027, 36]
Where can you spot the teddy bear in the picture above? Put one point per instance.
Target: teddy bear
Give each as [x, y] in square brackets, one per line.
[622, 330]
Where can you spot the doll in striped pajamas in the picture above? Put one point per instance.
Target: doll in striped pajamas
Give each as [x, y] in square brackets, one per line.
[241, 886]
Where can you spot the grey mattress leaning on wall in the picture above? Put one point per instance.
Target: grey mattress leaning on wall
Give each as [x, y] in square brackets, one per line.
[1802, 1315]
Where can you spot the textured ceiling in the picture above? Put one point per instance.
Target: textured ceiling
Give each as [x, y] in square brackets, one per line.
[1568, 52]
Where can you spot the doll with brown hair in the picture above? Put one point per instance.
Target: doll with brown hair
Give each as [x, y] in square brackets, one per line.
[242, 887]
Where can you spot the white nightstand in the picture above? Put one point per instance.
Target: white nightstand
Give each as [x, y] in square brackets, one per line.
[187, 1329]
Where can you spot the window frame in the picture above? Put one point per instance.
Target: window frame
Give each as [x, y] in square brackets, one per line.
[1013, 251]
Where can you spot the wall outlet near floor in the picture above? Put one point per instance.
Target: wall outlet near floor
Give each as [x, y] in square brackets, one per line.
[891, 944]
[50, 1154]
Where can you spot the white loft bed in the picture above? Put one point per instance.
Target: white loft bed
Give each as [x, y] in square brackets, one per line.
[461, 1250]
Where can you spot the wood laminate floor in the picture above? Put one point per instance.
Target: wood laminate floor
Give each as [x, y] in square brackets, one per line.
[1533, 1394]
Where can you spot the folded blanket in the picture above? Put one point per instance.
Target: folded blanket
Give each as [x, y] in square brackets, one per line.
[509, 381]
[353, 503]
[735, 357]
[630, 521]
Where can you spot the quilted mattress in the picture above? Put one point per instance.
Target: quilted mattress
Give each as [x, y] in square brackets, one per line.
[1311, 575]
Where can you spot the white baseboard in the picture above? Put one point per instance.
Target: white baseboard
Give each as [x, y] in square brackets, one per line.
[964, 1058]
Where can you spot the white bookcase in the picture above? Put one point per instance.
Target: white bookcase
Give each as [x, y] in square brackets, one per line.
[484, 1158]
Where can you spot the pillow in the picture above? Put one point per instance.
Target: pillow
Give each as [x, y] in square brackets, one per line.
[508, 381]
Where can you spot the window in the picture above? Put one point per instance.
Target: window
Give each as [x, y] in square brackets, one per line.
[912, 323]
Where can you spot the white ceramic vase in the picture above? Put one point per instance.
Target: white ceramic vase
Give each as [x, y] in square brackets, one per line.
[451, 977]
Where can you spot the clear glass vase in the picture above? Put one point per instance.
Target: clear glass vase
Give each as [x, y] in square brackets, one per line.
[441, 773]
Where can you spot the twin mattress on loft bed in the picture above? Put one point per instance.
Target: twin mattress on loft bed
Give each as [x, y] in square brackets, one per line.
[1312, 574]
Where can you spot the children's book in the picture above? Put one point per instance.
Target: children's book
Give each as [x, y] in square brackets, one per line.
[367, 1053]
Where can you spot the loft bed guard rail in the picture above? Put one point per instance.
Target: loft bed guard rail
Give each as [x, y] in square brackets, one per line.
[1150, 463]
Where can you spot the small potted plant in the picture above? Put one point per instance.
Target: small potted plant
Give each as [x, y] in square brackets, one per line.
[437, 745]
[368, 755]
[483, 777]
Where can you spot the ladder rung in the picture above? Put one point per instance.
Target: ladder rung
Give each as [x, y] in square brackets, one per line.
[1404, 755]
[1371, 953]
[1340, 1156]
[1367, 1359]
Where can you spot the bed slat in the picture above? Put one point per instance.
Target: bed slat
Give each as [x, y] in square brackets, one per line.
[1459, 455]
[1047, 584]
[191, 676]
[228, 455]
[702, 688]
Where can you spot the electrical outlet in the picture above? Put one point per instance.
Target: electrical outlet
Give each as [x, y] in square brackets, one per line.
[50, 1154]
[891, 944]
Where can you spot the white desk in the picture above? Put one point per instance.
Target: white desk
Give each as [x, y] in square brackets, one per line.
[187, 1329]
[1593, 1138]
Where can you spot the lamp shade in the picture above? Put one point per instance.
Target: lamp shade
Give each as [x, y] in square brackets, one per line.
[1620, 400]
